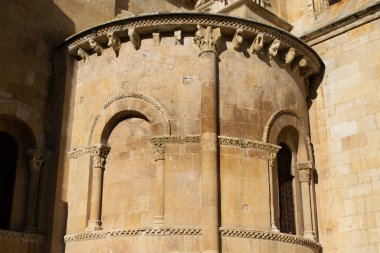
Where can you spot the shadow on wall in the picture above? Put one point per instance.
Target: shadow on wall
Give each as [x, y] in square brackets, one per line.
[30, 32]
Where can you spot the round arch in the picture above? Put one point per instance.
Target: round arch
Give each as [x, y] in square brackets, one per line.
[12, 109]
[289, 118]
[124, 106]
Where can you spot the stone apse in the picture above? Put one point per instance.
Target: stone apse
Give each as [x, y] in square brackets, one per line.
[190, 133]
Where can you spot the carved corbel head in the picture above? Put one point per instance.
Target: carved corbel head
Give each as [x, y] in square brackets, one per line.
[134, 37]
[82, 54]
[273, 49]
[238, 38]
[290, 55]
[156, 37]
[114, 42]
[257, 44]
[96, 47]
[178, 36]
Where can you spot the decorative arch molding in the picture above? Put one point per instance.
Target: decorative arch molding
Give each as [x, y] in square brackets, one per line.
[302, 127]
[157, 113]
[26, 114]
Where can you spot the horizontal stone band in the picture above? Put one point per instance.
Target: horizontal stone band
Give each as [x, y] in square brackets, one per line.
[163, 231]
[248, 233]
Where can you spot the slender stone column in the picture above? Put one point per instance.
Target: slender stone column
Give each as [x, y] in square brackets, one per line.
[207, 39]
[99, 154]
[271, 159]
[304, 173]
[159, 153]
[36, 158]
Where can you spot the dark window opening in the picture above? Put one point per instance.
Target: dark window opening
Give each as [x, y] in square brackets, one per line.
[8, 160]
[331, 2]
[285, 187]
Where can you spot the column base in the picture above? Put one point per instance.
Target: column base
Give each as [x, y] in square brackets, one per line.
[309, 235]
[158, 220]
[94, 225]
[31, 228]
[274, 229]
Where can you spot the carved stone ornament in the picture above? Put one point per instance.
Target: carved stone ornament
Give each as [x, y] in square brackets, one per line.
[96, 47]
[237, 39]
[161, 231]
[304, 171]
[156, 38]
[100, 153]
[257, 44]
[114, 42]
[290, 55]
[178, 36]
[263, 235]
[273, 49]
[36, 158]
[160, 141]
[134, 37]
[245, 143]
[82, 54]
[207, 39]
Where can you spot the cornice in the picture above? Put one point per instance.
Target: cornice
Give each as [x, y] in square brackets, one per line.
[187, 22]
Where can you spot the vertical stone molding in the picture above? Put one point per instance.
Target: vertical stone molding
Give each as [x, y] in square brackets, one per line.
[271, 159]
[159, 156]
[304, 172]
[99, 154]
[207, 39]
[36, 159]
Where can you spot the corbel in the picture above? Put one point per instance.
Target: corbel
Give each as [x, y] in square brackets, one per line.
[134, 37]
[96, 47]
[237, 39]
[257, 44]
[83, 54]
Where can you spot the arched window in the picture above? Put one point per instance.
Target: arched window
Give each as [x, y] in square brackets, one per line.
[285, 190]
[8, 160]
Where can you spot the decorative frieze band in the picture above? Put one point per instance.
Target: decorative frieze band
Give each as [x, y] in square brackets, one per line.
[245, 143]
[93, 150]
[22, 237]
[261, 34]
[162, 231]
[160, 141]
[253, 234]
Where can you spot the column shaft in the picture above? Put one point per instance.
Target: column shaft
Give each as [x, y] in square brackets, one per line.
[160, 192]
[100, 155]
[209, 169]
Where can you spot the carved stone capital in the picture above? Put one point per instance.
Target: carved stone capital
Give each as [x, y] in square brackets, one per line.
[114, 42]
[36, 158]
[100, 153]
[207, 39]
[159, 151]
[304, 171]
[96, 47]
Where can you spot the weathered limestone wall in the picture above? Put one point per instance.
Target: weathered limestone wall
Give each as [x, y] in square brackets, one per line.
[345, 128]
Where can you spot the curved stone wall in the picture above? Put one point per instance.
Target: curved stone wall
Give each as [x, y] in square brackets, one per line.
[188, 105]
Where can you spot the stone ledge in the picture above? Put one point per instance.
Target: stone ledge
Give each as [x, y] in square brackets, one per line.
[161, 231]
[21, 236]
[254, 234]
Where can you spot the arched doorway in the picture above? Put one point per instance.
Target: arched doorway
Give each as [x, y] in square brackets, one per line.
[8, 162]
